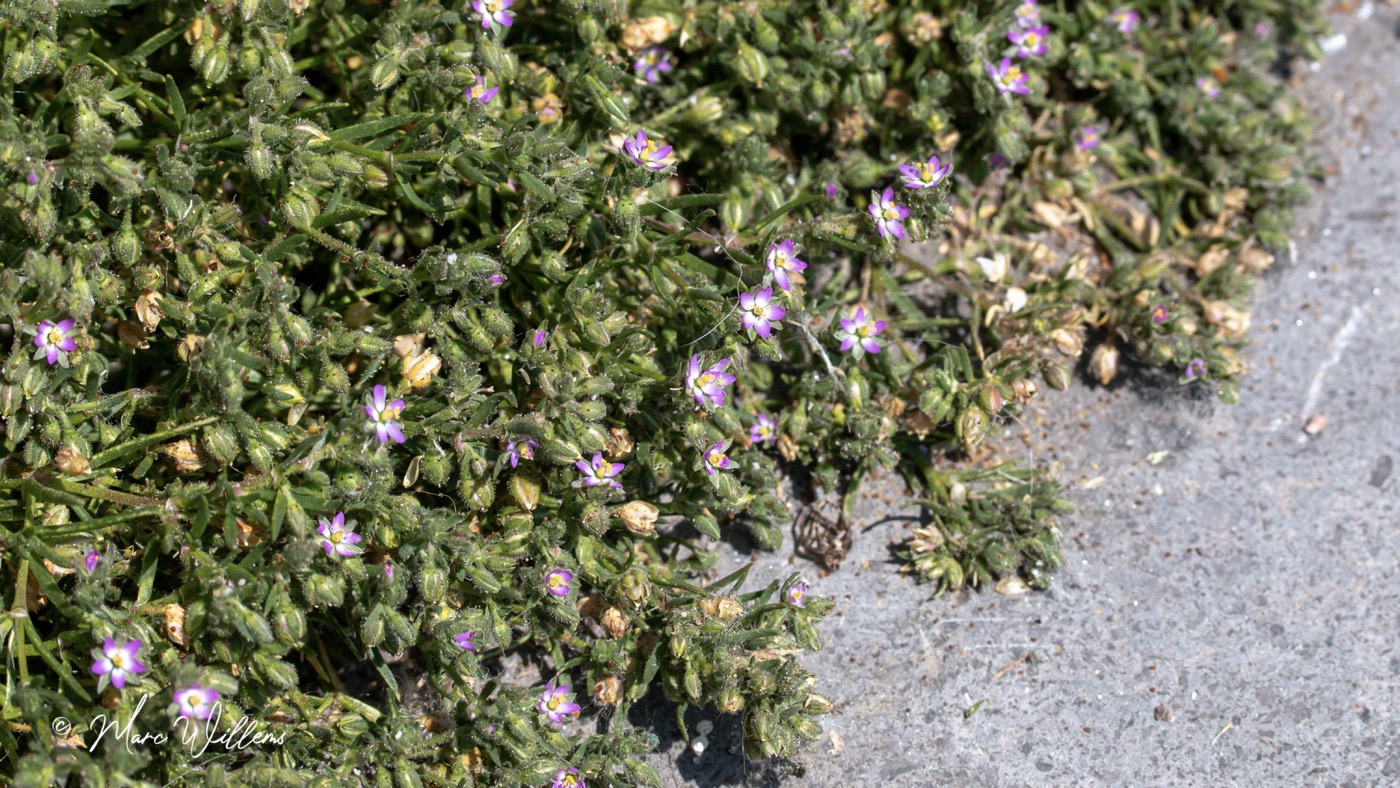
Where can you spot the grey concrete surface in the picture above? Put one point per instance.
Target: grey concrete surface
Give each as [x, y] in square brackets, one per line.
[1246, 582]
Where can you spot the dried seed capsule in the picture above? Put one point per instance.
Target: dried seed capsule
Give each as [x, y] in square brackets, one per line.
[1103, 364]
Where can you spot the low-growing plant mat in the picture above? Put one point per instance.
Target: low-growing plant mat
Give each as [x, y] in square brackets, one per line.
[1224, 612]
[381, 374]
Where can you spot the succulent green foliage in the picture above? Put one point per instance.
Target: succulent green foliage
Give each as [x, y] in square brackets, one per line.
[264, 217]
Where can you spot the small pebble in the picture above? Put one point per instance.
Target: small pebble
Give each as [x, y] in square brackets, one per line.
[1163, 714]
[1316, 424]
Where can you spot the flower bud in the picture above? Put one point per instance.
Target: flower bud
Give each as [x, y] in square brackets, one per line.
[816, 704]
[1056, 376]
[971, 427]
[753, 64]
[285, 395]
[635, 586]
[731, 700]
[991, 400]
[1103, 364]
[525, 489]
[679, 645]
[704, 111]
[384, 73]
[215, 67]
[432, 582]
[260, 161]
[126, 245]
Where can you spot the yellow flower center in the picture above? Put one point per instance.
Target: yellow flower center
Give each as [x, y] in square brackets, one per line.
[570, 781]
[797, 594]
[553, 702]
[764, 432]
[604, 468]
[705, 380]
[335, 536]
[649, 149]
[492, 6]
[527, 452]
[1013, 74]
[1031, 40]
[867, 330]
[925, 172]
[119, 661]
[718, 458]
[890, 213]
[555, 581]
[55, 336]
[759, 310]
[477, 90]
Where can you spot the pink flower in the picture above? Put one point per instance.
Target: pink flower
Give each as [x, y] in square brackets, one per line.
[761, 315]
[1209, 86]
[480, 92]
[522, 448]
[337, 539]
[493, 13]
[557, 581]
[1030, 42]
[797, 594]
[540, 336]
[1028, 14]
[764, 430]
[55, 341]
[716, 460]
[115, 664]
[1088, 138]
[644, 152]
[599, 471]
[708, 386]
[858, 332]
[91, 560]
[464, 640]
[784, 265]
[888, 215]
[1159, 314]
[1125, 19]
[1009, 78]
[195, 702]
[383, 416]
[652, 63]
[569, 778]
[831, 191]
[925, 175]
[557, 704]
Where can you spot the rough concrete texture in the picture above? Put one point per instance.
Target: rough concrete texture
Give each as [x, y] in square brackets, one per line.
[1246, 583]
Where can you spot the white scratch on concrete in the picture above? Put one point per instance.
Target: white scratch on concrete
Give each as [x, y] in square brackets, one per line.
[1339, 346]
